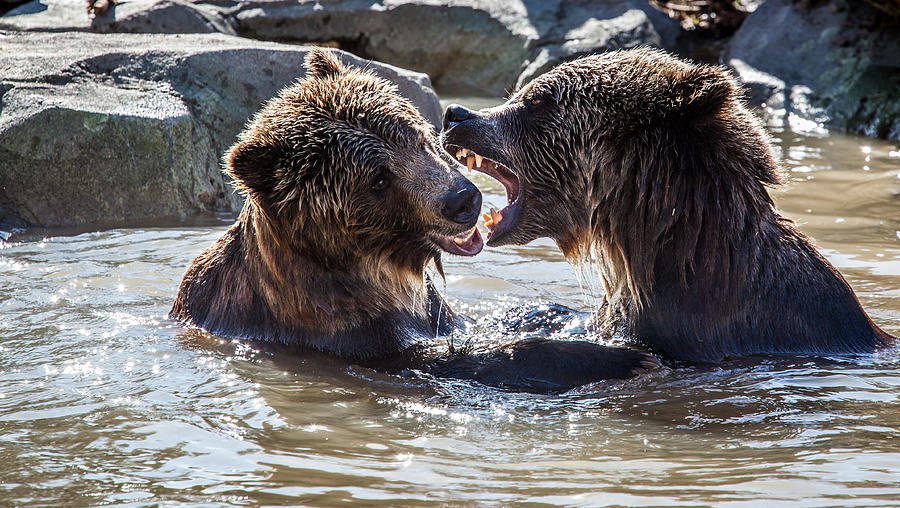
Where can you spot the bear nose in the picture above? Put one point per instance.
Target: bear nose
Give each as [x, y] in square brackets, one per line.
[455, 114]
[462, 203]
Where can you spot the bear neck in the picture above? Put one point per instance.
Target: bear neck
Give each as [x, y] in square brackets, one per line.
[696, 262]
[253, 285]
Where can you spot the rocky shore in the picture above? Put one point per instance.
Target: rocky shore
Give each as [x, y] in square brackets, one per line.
[125, 115]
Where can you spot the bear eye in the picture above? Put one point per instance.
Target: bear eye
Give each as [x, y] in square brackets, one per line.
[537, 100]
[381, 181]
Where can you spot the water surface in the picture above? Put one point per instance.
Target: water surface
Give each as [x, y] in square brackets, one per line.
[103, 400]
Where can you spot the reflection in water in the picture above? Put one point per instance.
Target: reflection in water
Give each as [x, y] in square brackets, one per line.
[104, 400]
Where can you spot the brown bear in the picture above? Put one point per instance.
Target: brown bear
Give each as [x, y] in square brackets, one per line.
[348, 199]
[653, 168]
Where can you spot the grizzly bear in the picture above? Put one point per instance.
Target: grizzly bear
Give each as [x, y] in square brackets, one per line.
[653, 168]
[348, 199]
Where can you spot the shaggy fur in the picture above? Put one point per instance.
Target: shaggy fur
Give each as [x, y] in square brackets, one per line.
[347, 203]
[319, 255]
[653, 169]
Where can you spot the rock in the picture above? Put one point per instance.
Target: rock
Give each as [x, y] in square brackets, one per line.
[126, 126]
[132, 16]
[471, 47]
[836, 64]
[585, 27]
[467, 46]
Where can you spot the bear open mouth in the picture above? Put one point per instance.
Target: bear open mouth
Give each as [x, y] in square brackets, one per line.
[467, 243]
[498, 222]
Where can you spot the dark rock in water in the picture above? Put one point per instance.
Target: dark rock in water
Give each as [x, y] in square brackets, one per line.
[10, 220]
[834, 63]
[469, 46]
[118, 127]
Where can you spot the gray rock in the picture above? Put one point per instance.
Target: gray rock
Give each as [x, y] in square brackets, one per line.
[584, 27]
[105, 128]
[832, 64]
[470, 46]
[466, 46]
[128, 16]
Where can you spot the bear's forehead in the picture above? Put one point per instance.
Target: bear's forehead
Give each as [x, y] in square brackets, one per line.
[637, 74]
[628, 60]
[362, 106]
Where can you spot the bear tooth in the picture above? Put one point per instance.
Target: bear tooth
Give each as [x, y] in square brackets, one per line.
[470, 161]
[458, 241]
[460, 153]
[478, 160]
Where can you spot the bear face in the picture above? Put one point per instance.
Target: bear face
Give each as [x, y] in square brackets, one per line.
[547, 141]
[344, 168]
[653, 169]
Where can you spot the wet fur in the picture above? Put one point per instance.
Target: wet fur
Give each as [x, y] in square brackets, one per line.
[319, 260]
[653, 169]
[315, 260]
[245, 287]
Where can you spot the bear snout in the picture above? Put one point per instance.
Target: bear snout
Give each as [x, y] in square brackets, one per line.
[455, 114]
[462, 202]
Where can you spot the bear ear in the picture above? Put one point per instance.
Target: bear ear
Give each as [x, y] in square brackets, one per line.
[703, 90]
[252, 166]
[323, 64]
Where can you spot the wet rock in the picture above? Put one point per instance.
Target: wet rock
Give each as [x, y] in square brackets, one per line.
[105, 128]
[835, 63]
[468, 46]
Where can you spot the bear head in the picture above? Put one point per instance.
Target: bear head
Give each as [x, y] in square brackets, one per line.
[590, 128]
[342, 169]
[618, 156]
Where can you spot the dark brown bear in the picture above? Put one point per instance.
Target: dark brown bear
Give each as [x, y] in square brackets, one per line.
[349, 197]
[652, 167]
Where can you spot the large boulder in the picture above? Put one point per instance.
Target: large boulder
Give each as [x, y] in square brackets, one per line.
[574, 28]
[482, 47]
[131, 16]
[105, 128]
[469, 46]
[836, 63]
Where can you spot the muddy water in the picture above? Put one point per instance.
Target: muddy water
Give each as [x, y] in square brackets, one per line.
[103, 400]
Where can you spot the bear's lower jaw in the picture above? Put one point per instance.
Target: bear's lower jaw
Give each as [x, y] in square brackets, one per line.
[500, 222]
[499, 232]
[467, 243]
